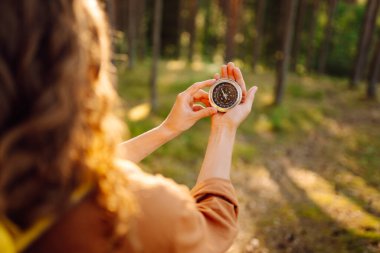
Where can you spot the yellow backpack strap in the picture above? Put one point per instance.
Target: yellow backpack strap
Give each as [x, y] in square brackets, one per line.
[7, 244]
[13, 240]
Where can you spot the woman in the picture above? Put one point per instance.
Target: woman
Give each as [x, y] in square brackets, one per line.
[61, 188]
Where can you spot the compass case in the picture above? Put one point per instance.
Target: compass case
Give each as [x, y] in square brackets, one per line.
[225, 94]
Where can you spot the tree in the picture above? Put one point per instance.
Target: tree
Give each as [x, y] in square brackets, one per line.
[206, 33]
[298, 33]
[110, 8]
[327, 36]
[286, 28]
[233, 11]
[372, 9]
[314, 8]
[121, 7]
[374, 73]
[193, 9]
[157, 17]
[141, 30]
[131, 32]
[258, 31]
[170, 27]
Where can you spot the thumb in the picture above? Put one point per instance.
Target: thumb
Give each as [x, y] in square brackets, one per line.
[205, 112]
[251, 96]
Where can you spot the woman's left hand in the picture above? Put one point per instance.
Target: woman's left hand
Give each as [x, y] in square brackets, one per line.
[185, 113]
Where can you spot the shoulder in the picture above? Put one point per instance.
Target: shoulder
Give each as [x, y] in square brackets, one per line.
[162, 204]
[144, 184]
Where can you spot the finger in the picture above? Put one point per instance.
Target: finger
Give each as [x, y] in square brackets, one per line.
[197, 108]
[192, 90]
[202, 96]
[205, 112]
[200, 93]
[223, 71]
[216, 76]
[250, 97]
[230, 67]
[204, 100]
[240, 80]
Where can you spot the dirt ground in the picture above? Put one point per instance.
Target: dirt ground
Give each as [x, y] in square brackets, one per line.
[307, 173]
[318, 190]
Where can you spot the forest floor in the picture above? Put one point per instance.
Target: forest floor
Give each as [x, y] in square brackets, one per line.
[307, 173]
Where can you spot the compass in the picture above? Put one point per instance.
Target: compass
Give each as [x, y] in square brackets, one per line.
[225, 94]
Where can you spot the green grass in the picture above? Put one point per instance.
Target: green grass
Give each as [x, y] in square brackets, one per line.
[321, 127]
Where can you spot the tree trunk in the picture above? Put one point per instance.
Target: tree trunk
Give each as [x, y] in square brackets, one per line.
[110, 8]
[155, 52]
[327, 36]
[131, 32]
[365, 40]
[286, 28]
[374, 73]
[311, 34]
[298, 33]
[258, 31]
[233, 10]
[193, 10]
[206, 33]
[121, 18]
[141, 30]
[170, 28]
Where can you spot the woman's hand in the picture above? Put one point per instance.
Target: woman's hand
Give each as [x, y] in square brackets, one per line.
[217, 161]
[233, 117]
[185, 113]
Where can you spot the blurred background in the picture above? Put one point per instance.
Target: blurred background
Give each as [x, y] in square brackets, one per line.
[306, 164]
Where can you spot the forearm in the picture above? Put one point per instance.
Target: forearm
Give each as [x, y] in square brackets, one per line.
[139, 147]
[217, 161]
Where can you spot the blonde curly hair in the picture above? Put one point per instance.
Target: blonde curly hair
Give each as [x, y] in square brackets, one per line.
[58, 128]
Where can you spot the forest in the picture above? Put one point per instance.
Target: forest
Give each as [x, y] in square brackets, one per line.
[306, 163]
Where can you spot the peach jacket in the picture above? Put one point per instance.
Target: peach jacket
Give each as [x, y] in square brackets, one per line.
[172, 218]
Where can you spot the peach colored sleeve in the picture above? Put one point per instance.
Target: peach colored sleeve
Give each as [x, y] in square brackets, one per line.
[211, 224]
[174, 219]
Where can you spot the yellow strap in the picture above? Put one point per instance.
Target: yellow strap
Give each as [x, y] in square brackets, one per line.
[14, 240]
[7, 244]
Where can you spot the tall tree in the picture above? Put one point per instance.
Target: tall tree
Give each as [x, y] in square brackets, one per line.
[324, 51]
[157, 17]
[193, 10]
[258, 31]
[110, 8]
[314, 9]
[366, 37]
[170, 34]
[374, 73]
[206, 33]
[121, 7]
[233, 11]
[141, 29]
[131, 32]
[285, 32]
[298, 33]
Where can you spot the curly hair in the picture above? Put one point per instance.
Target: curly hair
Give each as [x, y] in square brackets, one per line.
[57, 122]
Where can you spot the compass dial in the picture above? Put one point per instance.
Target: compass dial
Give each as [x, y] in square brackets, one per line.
[225, 94]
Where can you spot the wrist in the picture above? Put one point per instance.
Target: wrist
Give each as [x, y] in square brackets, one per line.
[223, 128]
[167, 131]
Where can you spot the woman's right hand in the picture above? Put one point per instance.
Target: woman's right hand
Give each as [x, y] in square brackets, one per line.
[233, 117]
[185, 113]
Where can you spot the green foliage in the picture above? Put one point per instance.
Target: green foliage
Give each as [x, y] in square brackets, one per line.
[347, 26]
[319, 129]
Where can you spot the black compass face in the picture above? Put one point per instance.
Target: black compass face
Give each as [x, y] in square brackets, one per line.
[225, 95]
